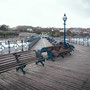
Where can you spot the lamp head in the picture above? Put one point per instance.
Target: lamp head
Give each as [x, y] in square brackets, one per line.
[64, 17]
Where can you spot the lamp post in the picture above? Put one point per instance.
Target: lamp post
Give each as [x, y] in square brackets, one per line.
[64, 19]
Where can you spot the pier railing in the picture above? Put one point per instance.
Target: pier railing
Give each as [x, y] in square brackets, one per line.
[17, 45]
[85, 41]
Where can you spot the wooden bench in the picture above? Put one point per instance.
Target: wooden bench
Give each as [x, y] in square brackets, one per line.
[59, 50]
[17, 60]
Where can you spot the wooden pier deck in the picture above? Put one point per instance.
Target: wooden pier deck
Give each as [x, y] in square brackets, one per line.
[69, 73]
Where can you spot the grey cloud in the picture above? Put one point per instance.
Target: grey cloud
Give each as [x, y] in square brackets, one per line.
[88, 1]
[80, 7]
[87, 9]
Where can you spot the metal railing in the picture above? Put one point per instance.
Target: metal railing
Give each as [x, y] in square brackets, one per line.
[17, 45]
[85, 41]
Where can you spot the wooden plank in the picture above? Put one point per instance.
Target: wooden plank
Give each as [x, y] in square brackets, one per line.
[35, 83]
[8, 59]
[56, 78]
[21, 61]
[24, 52]
[18, 83]
[7, 67]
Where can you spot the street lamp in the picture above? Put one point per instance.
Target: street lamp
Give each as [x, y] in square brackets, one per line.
[64, 19]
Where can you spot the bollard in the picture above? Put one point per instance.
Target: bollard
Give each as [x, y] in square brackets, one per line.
[8, 46]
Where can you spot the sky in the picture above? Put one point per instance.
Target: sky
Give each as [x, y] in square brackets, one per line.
[45, 13]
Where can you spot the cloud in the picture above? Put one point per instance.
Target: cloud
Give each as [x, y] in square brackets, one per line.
[79, 7]
[45, 12]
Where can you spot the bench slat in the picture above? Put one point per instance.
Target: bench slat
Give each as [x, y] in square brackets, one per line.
[14, 65]
[23, 59]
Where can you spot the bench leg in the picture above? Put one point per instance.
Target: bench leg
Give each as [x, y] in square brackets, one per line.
[62, 56]
[50, 57]
[17, 69]
[69, 53]
[65, 53]
[23, 71]
[21, 67]
[40, 61]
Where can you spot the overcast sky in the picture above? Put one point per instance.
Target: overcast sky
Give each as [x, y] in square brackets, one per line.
[45, 13]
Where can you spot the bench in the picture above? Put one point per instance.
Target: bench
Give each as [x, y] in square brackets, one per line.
[61, 51]
[56, 50]
[17, 60]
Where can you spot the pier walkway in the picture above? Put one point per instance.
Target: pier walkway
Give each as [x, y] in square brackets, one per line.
[69, 73]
